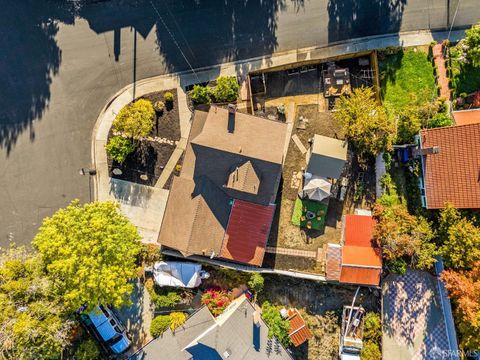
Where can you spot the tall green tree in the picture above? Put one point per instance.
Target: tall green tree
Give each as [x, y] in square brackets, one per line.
[256, 283]
[365, 122]
[460, 239]
[472, 40]
[277, 325]
[90, 254]
[33, 321]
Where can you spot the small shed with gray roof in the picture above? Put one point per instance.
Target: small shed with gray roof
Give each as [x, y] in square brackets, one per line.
[327, 157]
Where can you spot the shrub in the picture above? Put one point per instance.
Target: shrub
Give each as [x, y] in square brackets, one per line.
[472, 40]
[440, 120]
[398, 266]
[168, 96]
[256, 283]
[135, 120]
[159, 106]
[200, 94]
[87, 350]
[372, 330]
[177, 319]
[216, 300]
[149, 254]
[171, 299]
[277, 325]
[159, 325]
[370, 351]
[119, 148]
[226, 89]
[281, 109]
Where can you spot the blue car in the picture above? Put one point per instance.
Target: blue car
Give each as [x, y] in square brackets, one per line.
[109, 328]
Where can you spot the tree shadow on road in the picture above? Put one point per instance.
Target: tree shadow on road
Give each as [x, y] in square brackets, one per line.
[350, 19]
[29, 58]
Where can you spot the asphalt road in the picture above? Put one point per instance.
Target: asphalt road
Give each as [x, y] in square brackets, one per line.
[60, 61]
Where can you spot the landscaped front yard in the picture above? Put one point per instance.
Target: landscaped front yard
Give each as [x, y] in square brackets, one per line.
[407, 78]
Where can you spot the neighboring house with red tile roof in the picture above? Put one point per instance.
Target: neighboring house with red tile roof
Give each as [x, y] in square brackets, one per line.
[450, 158]
[361, 261]
[466, 117]
[298, 332]
[222, 204]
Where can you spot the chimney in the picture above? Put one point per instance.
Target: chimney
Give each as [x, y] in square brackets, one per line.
[427, 151]
[231, 118]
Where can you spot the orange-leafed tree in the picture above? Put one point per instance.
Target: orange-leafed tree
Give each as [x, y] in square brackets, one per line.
[464, 288]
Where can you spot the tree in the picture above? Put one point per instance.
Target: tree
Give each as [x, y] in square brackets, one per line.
[226, 89]
[472, 40]
[200, 94]
[402, 235]
[119, 148]
[159, 325]
[408, 125]
[277, 325]
[33, 321]
[463, 288]
[256, 283]
[364, 122]
[168, 97]
[90, 254]
[370, 351]
[460, 239]
[372, 330]
[87, 350]
[135, 120]
[177, 319]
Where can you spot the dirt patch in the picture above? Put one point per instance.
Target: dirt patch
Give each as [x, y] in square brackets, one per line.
[145, 165]
[321, 306]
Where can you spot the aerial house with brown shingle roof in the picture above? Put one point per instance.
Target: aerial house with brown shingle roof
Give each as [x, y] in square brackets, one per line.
[222, 204]
[450, 158]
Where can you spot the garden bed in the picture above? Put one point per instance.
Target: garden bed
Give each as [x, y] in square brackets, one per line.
[146, 163]
[464, 76]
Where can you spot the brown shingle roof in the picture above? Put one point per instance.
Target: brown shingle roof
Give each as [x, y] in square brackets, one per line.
[195, 218]
[252, 137]
[453, 174]
[244, 178]
[200, 203]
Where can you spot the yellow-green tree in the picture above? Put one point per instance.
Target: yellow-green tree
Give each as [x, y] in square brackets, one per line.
[460, 239]
[33, 320]
[135, 120]
[365, 122]
[177, 319]
[90, 254]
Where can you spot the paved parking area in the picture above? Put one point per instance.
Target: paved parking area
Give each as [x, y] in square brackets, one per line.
[413, 320]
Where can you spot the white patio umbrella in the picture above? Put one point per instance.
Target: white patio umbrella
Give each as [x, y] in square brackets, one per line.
[316, 188]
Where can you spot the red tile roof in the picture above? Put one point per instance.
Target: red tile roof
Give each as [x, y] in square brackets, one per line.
[361, 258]
[298, 332]
[466, 117]
[453, 174]
[247, 232]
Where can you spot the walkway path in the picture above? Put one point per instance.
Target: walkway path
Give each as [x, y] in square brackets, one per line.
[145, 205]
[442, 79]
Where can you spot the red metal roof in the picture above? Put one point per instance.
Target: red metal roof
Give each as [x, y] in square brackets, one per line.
[247, 232]
[359, 275]
[298, 332]
[361, 257]
[453, 174]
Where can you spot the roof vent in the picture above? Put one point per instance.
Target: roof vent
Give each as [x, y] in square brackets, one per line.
[227, 353]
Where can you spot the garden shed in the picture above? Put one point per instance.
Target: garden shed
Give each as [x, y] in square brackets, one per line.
[327, 157]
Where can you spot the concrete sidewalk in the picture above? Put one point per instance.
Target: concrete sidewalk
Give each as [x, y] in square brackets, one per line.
[145, 205]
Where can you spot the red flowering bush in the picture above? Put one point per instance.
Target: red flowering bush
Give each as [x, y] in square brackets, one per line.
[216, 299]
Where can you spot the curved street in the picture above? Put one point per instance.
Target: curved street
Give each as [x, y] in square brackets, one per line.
[60, 63]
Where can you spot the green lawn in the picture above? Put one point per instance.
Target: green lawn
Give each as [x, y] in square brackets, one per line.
[299, 217]
[407, 78]
[465, 78]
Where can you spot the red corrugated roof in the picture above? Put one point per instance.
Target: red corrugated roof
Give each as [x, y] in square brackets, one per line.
[453, 174]
[247, 232]
[361, 276]
[361, 257]
[298, 332]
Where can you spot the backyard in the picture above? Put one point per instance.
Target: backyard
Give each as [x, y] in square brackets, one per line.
[464, 76]
[407, 78]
